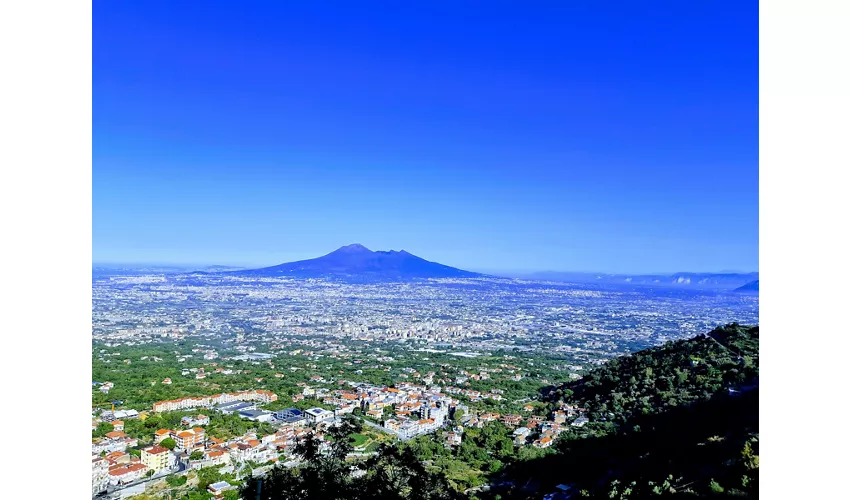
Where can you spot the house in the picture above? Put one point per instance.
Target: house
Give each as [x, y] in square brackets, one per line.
[511, 420]
[217, 457]
[161, 435]
[342, 410]
[391, 425]
[197, 420]
[123, 474]
[240, 452]
[521, 435]
[453, 439]
[579, 422]
[118, 425]
[488, 417]
[117, 457]
[543, 443]
[318, 415]
[218, 489]
[108, 445]
[115, 435]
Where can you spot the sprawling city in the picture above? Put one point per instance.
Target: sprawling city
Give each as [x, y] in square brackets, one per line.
[215, 375]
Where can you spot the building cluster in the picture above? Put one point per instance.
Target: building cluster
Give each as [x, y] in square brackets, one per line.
[217, 399]
[115, 440]
[198, 450]
[406, 410]
[535, 429]
[118, 468]
[475, 396]
[194, 448]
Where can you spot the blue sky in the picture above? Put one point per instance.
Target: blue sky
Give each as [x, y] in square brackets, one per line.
[582, 136]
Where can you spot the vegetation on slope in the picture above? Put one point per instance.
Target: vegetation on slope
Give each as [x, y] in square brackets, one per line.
[681, 419]
[674, 374]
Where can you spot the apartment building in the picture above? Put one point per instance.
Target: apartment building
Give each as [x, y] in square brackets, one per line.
[156, 457]
[261, 396]
[190, 438]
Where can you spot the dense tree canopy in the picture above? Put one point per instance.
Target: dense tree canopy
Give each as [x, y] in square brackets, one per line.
[325, 473]
[681, 418]
[674, 374]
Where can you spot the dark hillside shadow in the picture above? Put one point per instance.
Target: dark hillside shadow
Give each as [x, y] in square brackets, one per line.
[698, 443]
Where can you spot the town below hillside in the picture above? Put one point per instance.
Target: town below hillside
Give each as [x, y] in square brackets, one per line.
[205, 384]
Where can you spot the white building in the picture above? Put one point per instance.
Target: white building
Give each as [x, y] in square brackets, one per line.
[318, 415]
[99, 474]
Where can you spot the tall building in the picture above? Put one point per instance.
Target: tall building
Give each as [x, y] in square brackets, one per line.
[188, 439]
[156, 457]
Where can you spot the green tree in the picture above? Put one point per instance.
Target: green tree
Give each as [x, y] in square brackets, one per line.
[176, 480]
[169, 443]
[715, 487]
[457, 416]
[388, 412]
[208, 476]
[102, 429]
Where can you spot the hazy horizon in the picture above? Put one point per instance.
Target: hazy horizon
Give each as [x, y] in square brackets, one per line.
[513, 270]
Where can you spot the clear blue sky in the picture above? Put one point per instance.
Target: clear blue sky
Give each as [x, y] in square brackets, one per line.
[583, 136]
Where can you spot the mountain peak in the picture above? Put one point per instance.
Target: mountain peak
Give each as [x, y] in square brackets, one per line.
[354, 247]
[357, 262]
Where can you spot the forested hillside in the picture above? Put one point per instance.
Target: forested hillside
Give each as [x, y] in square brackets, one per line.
[674, 374]
[679, 419]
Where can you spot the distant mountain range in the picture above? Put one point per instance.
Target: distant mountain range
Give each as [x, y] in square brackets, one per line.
[135, 269]
[727, 281]
[752, 286]
[358, 263]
